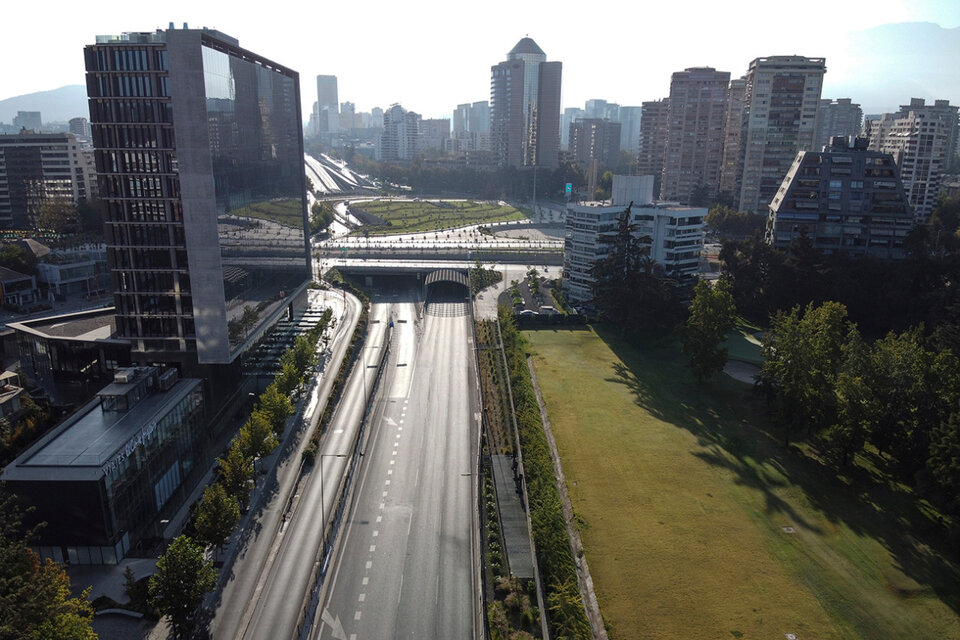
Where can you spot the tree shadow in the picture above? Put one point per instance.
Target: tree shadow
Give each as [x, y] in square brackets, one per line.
[730, 422]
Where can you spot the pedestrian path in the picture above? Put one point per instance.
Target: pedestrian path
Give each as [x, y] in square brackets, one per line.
[513, 519]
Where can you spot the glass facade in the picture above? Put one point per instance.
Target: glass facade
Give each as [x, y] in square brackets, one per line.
[162, 224]
[141, 478]
[258, 179]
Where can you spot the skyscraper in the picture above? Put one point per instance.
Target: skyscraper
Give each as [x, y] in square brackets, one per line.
[569, 115]
[841, 117]
[328, 105]
[525, 108]
[732, 163]
[595, 139]
[782, 96]
[923, 140]
[630, 129]
[200, 157]
[653, 139]
[400, 138]
[694, 147]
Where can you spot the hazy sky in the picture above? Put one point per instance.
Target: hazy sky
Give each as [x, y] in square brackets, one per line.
[429, 55]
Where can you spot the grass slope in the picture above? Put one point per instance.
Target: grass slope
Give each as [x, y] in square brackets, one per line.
[684, 497]
[417, 216]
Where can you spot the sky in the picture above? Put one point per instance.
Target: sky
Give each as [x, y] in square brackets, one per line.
[430, 56]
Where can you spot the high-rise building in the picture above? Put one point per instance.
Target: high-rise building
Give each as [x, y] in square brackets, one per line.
[782, 96]
[597, 108]
[569, 115]
[434, 132]
[80, 127]
[348, 113]
[200, 154]
[694, 150]
[595, 139]
[653, 139]
[630, 118]
[400, 138]
[731, 165]
[525, 108]
[473, 117]
[29, 120]
[36, 168]
[923, 140]
[846, 199]
[841, 117]
[328, 104]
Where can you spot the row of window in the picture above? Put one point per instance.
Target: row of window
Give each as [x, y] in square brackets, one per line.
[115, 58]
[133, 137]
[132, 86]
[130, 111]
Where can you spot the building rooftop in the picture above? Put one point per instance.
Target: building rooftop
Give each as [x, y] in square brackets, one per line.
[98, 324]
[526, 45]
[91, 438]
[9, 275]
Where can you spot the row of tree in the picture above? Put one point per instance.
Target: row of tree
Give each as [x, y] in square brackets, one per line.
[183, 574]
[901, 393]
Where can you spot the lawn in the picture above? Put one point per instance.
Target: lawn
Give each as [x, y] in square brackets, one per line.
[409, 216]
[287, 212]
[698, 523]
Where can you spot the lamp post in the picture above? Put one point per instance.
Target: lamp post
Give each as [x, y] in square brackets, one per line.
[323, 519]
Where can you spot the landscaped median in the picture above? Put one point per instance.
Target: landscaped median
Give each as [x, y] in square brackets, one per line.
[387, 217]
[698, 523]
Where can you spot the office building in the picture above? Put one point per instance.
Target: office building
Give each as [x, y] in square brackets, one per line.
[108, 476]
[29, 120]
[473, 117]
[595, 139]
[597, 108]
[695, 126]
[782, 96]
[36, 168]
[525, 108]
[71, 356]
[923, 140]
[328, 104]
[566, 119]
[400, 138]
[837, 118]
[630, 118]
[846, 199]
[671, 235]
[731, 164]
[653, 139]
[200, 154]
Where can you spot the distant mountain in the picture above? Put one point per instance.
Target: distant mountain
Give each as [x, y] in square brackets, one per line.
[883, 67]
[57, 105]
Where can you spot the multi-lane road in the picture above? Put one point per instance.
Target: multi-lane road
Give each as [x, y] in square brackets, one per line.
[404, 562]
[404, 567]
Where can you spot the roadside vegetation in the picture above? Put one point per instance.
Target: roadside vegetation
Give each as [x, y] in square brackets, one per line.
[383, 217]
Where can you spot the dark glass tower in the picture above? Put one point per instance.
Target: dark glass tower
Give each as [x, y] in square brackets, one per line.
[200, 156]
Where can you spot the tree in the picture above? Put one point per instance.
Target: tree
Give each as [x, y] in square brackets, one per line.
[944, 460]
[217, 515]
[802, 356]
[57, 216]
[14, 256]
[712, 315]
[236, 473]
[276, 406]
[182, 579]
[288, 379]
[35, 601]
[256, 437]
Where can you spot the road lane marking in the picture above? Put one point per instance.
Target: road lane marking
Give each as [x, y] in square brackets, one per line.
[375, 533]
[362, 597]
[389, 472]
[373, 548]
[366, 581]
[392, 461]
[356, 616]
[388, 483]
[379, 518]
[385, 494]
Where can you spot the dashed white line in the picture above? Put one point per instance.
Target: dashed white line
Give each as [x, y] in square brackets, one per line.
[388, 483]
[379, 518]
[362, 597]
[365, 581]
[356, 616]
[385, 494]
[373, 548]
[375, 533]
[369, 564]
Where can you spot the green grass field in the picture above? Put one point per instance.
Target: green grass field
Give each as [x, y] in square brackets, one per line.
[407, 216]
[287, 212]
[698, 523]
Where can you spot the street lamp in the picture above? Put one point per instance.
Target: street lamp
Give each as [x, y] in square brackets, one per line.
[323, 519]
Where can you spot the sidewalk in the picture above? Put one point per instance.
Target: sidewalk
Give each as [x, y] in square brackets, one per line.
[513, 519]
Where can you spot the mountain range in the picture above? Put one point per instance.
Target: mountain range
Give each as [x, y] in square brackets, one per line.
[56, 105]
